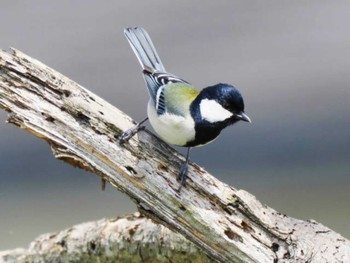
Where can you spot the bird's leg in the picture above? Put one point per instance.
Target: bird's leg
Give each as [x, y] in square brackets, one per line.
[184, 170]
[103, 184]
[131, 132]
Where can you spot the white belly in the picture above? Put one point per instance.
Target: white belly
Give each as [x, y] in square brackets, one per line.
[173, 129]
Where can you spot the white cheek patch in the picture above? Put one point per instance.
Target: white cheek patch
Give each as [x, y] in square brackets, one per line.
[212, 111]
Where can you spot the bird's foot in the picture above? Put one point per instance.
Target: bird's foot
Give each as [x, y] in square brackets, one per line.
[130, 133]
[182, 175]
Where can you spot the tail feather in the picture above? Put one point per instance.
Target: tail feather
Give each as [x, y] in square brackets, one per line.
[144, 49]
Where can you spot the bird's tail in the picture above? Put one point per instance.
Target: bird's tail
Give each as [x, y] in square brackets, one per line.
[144, 49]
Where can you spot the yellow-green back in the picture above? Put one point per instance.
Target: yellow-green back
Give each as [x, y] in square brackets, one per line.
[178, 97]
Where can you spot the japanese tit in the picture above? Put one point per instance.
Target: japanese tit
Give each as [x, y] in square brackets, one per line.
[179, 113]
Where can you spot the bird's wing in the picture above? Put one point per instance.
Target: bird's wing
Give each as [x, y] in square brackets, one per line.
[158, 83]
[175, 98]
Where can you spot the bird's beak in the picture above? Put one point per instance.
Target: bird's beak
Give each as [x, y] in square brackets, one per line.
[243, 117]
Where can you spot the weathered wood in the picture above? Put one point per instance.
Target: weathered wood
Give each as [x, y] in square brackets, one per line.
[230, 225]
[128, 239]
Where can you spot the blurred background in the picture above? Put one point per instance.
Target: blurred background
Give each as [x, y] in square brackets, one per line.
[290, 60]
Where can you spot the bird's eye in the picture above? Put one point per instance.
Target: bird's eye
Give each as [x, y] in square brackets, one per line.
[226, 105]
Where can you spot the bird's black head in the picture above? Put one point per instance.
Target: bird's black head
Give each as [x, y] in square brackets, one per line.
[222, 102]
[215, 108]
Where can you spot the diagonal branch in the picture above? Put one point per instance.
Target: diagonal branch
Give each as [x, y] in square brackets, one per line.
[230, 225]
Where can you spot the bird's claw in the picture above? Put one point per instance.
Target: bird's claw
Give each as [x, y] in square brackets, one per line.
[126, 136]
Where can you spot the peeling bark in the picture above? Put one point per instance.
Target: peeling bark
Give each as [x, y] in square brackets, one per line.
[230, 225]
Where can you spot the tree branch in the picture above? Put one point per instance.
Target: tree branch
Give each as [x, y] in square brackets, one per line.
[230, 225]
[129, 239]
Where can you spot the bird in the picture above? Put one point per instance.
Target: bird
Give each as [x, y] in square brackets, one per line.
[181, 114]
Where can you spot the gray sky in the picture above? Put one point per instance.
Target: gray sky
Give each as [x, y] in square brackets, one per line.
[290, 60]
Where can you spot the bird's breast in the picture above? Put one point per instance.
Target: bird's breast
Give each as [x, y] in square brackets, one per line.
[172, 128]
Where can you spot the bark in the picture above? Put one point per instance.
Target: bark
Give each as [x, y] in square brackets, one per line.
[129, 239]
[229, 224]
